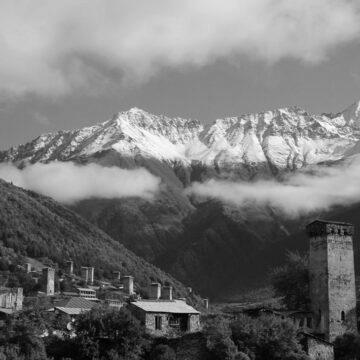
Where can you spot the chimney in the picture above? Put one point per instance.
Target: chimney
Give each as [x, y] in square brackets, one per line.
[128, 283]
[69, 267]
[166, 293]
[28, 267]
[206, 303]
[155, 291]
[49, 279]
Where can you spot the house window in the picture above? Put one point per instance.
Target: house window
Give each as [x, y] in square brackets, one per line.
[301, 324]
[158, 322]
[173, 321]
[343, 316]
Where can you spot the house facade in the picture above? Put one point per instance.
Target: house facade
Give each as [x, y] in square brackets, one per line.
[166, 317]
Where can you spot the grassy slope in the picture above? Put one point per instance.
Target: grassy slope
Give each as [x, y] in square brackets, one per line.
[38, 227]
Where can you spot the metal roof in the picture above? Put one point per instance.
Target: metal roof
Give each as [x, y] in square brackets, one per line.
[7, 311]
[75, 303]
[72, 311]
[85, 289]
[331, 222]
[165, 306]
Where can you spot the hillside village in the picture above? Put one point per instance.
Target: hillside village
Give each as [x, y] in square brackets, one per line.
[69, 295]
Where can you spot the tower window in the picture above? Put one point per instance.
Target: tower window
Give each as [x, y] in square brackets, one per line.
[343, 316]
[309, 322]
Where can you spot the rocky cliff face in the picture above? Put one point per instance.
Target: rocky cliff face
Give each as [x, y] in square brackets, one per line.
[287, 138]
[206, 245]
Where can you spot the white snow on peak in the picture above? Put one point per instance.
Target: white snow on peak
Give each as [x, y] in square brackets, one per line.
[283, 138]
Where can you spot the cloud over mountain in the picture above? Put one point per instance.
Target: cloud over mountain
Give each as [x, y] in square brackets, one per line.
[67, 182]
[52, 48]
[300, 193]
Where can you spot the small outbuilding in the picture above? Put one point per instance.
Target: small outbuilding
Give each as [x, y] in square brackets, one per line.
[162, 317]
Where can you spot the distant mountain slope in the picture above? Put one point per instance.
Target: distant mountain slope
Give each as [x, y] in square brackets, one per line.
[37, 226]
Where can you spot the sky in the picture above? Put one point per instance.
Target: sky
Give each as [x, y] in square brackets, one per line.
[67, 64]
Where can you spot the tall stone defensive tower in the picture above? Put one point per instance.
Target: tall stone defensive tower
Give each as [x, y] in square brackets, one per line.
[49, 280]
[332, 278]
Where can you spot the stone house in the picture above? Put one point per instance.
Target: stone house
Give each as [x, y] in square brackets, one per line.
[11, 300]
[165, 317]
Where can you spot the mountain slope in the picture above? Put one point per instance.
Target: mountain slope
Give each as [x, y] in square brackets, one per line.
[38, 227]
[208, 245]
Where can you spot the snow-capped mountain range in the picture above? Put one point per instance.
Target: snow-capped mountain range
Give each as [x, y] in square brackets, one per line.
[287, 138]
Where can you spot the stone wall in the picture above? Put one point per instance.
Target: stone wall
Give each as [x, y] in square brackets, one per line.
[194, 323]
[332, 278]
[318, 350]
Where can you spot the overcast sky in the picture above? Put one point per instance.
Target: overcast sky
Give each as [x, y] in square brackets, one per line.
[66, 64]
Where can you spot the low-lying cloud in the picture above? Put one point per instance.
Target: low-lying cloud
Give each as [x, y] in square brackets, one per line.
[299, 194]
[54, 47]
[67, 182]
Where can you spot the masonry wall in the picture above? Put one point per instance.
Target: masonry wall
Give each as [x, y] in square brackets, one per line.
[342, 294]
[194, 323]
[319, 351]
[332, 279]
[150, 324]
[319, 283]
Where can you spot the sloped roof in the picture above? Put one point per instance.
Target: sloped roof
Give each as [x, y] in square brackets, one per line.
[72, 311]
[167, 306]
[85, 289]
[7, 311]
[330, 222]
[75, 303]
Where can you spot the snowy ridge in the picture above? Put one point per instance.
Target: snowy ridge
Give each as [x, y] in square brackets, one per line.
[287, 138]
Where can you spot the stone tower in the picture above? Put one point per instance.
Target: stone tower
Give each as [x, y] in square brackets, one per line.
[128, 283]
[49, 280]
[332, 278]
[70, 267]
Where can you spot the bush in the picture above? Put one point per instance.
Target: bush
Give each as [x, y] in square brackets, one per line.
[347, 347]
[267, 338]
[112, 334]
[291, 281]
[218, 339]
[162, 352]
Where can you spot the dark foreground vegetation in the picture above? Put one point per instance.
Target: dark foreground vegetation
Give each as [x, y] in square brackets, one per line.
[104, 334]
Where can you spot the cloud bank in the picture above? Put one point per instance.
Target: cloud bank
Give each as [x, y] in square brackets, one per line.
[299, 194]
[67, 182]
[53, 47]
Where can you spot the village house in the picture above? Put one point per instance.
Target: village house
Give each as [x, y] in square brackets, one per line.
[11, 300]
[161, 315]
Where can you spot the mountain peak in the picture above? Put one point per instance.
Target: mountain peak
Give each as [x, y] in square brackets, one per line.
[286, 137]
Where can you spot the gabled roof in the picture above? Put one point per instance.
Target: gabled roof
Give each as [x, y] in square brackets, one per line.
[85, 289]
[75, 302]
[330, 222]
[165, 306]
[7, 311]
